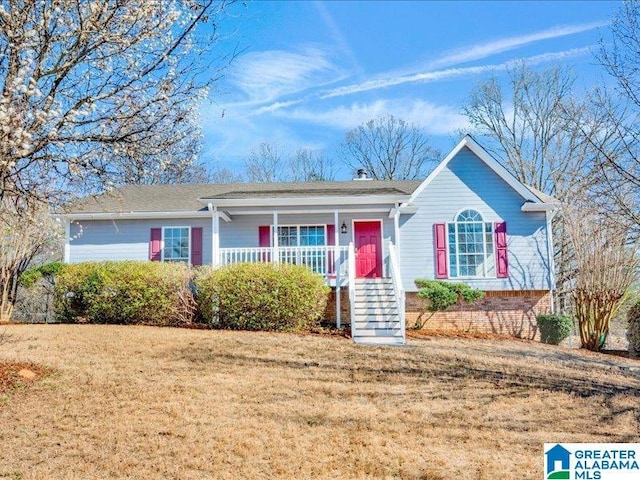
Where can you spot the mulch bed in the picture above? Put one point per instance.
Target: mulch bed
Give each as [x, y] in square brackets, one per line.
[13, 374]
[459, 334]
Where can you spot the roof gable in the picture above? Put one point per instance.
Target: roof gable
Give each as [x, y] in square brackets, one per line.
[485, 157]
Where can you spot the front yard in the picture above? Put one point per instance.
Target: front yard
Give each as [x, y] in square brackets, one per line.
[145, 402]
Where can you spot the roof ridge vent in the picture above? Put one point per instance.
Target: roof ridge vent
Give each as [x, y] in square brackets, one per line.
[362, 175]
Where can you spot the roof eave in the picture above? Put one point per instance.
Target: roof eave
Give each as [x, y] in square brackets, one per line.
[73, 216]
[539, 207]
[309, 200]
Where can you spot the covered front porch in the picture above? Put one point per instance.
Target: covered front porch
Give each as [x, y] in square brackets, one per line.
[354, 238]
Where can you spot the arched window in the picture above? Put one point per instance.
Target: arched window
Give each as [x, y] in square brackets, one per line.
[471, 249]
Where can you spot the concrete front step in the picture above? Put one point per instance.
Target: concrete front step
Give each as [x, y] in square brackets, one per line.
[379, 319]
[364, 325]
[376, 296]
[376, 314]
[379, 340]
[379, 313]
[377, 332]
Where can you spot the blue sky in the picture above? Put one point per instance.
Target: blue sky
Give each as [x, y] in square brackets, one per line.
[310, 71]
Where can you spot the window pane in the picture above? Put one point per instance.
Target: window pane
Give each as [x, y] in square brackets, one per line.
[176, 244]
[312, 235]
[471, 246]
[288, 236]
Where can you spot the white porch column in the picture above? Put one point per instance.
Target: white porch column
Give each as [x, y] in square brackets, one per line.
[336, 264]
[275, 257]
[396, 231]
[215, 235]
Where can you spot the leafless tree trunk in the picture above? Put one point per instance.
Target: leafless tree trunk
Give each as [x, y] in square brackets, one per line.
[26, 232]
[605, 267]
[389, 148]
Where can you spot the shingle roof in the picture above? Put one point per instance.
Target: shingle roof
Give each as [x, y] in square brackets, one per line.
[184, 198]
[542, 196]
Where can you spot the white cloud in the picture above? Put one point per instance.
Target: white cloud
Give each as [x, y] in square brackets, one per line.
[431, 76]
[268, 75]
[338, 37]
[435, 119]
[488, 49]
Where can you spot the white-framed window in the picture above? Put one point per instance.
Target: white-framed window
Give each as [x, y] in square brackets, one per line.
[303, 236]
[471, 246]
[176, 244]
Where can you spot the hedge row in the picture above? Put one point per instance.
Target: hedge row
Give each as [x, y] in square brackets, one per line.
[241, 296]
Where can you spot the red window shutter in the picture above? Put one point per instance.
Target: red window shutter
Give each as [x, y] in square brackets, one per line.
[331, 240]
[264, 236]
[155, 245]
[502, 263]
[264, 239]
[196, 246]
[440, 244]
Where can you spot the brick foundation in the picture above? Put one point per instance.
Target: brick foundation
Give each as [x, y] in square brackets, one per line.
[511, 313]
[330, 310]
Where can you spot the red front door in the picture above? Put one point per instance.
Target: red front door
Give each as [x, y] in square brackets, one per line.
[368, 243]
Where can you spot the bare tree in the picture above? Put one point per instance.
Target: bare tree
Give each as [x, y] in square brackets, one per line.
[26, 232]
[270, 162]
[266, 163]
[311, 166]
[605, 266]
[620, 109]
[389, 148]
[541, 133]
[535, 127]
[96, 93]
[224, 175]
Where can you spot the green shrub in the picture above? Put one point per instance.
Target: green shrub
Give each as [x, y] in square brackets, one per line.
[33, 275]
[149, 293]
[554, 328]
[633, 328]
[261, 296]
[438, 296]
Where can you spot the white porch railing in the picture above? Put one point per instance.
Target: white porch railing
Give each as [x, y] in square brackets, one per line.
[394, 266]
[321, 259]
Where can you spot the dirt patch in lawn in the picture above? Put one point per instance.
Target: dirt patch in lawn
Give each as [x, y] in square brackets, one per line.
[14, 375]
[146, 403]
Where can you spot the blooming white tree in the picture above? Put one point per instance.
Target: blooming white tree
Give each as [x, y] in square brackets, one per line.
[95, 93]
[27, 232]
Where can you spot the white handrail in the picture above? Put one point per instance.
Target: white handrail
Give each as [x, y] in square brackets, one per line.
[352, 287]
[397, 284]
[320, 259]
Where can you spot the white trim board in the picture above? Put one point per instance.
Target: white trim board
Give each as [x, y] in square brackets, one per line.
[306, 201]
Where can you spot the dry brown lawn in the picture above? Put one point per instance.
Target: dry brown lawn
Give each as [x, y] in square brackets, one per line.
[145, 403]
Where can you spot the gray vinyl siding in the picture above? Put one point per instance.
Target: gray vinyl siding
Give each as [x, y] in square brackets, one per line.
[96, 240]
[467, 182]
